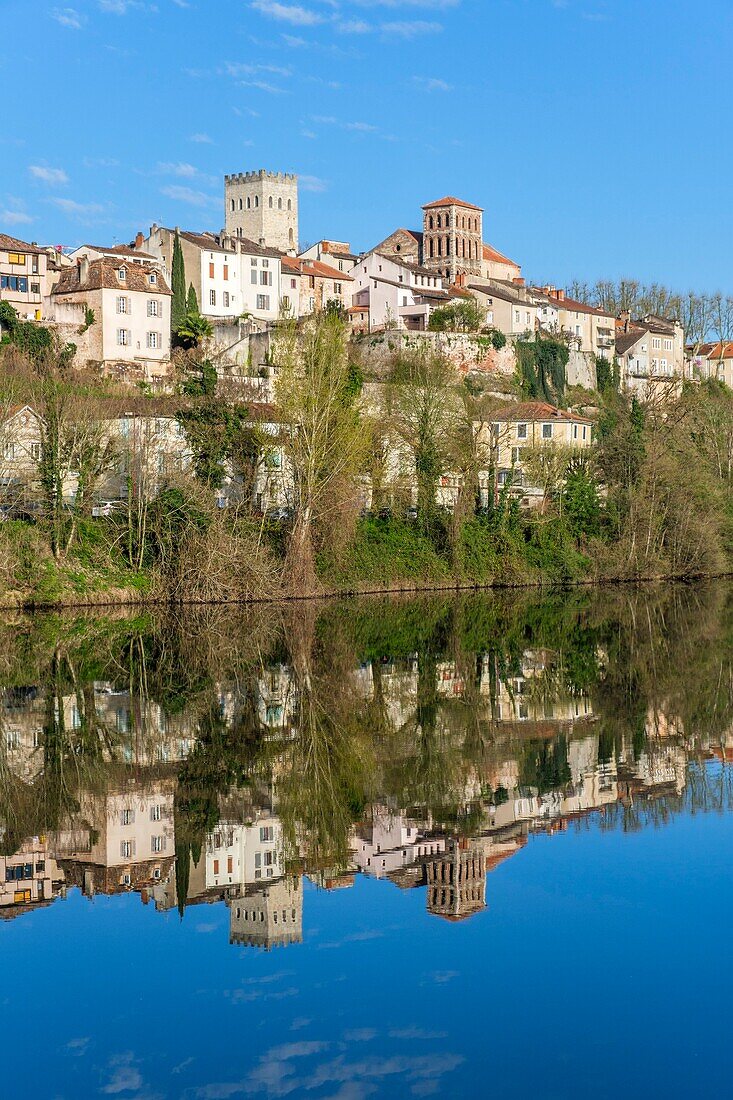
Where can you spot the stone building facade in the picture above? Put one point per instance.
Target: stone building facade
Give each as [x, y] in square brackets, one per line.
[263, 207]
[453, 238]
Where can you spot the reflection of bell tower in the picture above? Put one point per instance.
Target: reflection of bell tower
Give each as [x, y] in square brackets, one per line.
[457, 881]
[270, 916]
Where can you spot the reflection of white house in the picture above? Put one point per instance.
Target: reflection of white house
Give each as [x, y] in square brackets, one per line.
[240, 855]
[392, 842]
[28, 878]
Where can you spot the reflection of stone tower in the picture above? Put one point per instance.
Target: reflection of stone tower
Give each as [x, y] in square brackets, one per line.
[453, 238]
[263, 207]
[457, 882]
[270, 916]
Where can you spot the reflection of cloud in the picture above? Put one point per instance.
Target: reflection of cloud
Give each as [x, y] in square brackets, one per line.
[440, 977]
[182, 1065]
[360, 1035]
[125, 1076]
[354, 937]
[300, 1022]
[204, 929]
[78, 1047]
[416, 1033]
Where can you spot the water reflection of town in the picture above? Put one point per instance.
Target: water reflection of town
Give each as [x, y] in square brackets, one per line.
[549, 762]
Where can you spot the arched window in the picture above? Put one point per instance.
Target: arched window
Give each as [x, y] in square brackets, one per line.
[270, 202]
[249, 202]
[279, 204]
[447, 246]
[430, 222]
[432, 248]
[440, 246]
[290, 204]
[291, 236]
[463, 243]
[232, 205]
[240, 204]
[257, 201]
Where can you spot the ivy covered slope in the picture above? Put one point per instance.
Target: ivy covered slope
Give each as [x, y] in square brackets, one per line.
[389, 477]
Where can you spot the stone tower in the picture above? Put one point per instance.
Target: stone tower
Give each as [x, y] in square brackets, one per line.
[453, 238]
[263, 207]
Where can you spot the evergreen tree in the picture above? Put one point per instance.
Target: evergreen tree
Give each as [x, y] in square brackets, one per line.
[192, 302]
[178, 285]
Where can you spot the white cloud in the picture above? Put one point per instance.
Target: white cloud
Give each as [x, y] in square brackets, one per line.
[15, 217]
[186, 171]
[288, 13]
[410, 29]
[432, 84]
[360, 127]
[53, 176]
[238, 68]
[263, 86]
[313, 183]
[82, 210]
[68, 17]
[189, 196]
[293, 41]
[201, 139]
[353, 26]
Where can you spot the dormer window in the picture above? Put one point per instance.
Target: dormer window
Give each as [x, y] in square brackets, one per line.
[153, 278]
[121, 274]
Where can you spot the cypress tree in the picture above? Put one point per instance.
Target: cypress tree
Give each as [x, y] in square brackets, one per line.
[178, 285]
[192, 302]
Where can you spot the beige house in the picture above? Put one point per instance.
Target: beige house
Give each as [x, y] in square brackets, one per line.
[586, 328]
[650, 353]
[530, 426]
[509, 307]
[714, 361]
[27, 274]
[336, 254]
[123, 310]
[318, 284]
[29, 878]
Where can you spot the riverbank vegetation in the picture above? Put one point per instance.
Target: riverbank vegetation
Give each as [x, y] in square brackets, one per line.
[390, 484]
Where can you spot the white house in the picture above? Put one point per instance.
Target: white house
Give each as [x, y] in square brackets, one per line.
[396, 293]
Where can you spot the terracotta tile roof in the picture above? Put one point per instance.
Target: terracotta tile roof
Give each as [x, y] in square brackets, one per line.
[208, 242]
[507, 292]
[569, 304]
[493, 254]
[13, 244]
[720, 351]
[536, 410]
[626, 340]
[400, 261]
[450, 200]
[119, 250]
[102, 274]
[314, 268]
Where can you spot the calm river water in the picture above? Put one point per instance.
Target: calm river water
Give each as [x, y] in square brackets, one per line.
[439, 847]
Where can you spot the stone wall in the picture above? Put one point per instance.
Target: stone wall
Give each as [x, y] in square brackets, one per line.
[581, 370]
[467, 351]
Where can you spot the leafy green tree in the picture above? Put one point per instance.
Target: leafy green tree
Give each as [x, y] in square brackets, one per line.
[178, 285]
[193, 330]
[463, 316]
[580, 500]
[192, 302]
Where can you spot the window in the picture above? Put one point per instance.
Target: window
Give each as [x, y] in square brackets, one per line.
[153, 340]
[516, 316]
[263, 301]
[575, 431]
[127, 817]
[36, 452]
[124, 338]
[14, 282]
[265, 263]
[521, 431]
[547, 431]
[249, 203]
[285, 302]
[226, 274]
[337, 288]
[35, 289]
[293, 284]
[226, 299]
[127, 849]
[258, 859]
[279, 204]
[240, 205]
[270, 203]
[154, 308]
[232, 205]
[211, 271]
[267, 832]
[16, 258]
[216, 866]
[121, 274]
[656, 343]
[584, 431]
[253, 277]
[290, 204]
[230, 865]
[212, 297]
[265, 278]
[157, 844]
[667, 345]
[516, 455]
[156, 812]
[9, 451]
[122, 305]
[153, 278]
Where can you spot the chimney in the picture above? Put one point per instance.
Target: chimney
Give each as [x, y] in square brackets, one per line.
[518, 281]
[83, 270]
[560, 295]
[139, 241]
[624, 319]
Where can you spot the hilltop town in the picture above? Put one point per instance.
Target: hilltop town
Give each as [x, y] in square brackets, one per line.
[404, 415]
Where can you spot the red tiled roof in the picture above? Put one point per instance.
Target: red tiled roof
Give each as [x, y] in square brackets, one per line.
[315, 268]
[102, 274]
[721, 351]
[493, 254]
[536, 410]
[450, 200]
[13, 244]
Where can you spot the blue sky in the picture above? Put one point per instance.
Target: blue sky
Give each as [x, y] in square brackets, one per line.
[593, 132]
